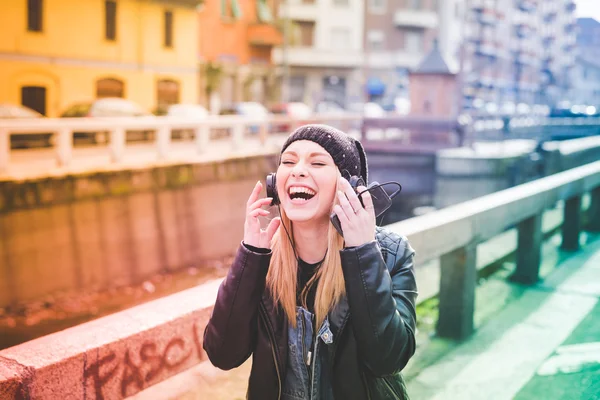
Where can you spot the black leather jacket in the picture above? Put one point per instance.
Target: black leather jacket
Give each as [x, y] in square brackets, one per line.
[373, 324]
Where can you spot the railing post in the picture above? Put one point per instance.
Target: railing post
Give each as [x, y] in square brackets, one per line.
[571, 226]
[117, 144]
[202, 137]
[263, 133]
[4, 150]
[594, 212]
[237, 137]
[529, 250]
[457, 293]
[163, 140]
[64, 150]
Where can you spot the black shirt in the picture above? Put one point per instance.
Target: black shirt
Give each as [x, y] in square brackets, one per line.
[305, 273]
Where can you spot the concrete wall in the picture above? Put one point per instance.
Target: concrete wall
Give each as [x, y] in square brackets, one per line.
[114, 228]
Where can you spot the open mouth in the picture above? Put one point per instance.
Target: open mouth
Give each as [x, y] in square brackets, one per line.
[300, 194]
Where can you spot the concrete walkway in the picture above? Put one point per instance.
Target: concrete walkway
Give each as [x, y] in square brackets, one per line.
[544, 345]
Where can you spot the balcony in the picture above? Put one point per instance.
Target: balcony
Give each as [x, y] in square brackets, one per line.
[550, 17]
[549, 39]
[424, 19]
[570, 6]
[298, 11]
[486, 48]
[527, 5]
[570, 27]
[487, 16]
[263, 35]
[523, 31]
[313, 57]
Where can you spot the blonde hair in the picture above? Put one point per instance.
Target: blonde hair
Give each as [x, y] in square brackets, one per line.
[282, 278]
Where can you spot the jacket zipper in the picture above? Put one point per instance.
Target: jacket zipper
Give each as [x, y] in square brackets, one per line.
[272, 341]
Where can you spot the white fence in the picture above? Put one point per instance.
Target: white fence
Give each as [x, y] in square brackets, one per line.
[63, 130]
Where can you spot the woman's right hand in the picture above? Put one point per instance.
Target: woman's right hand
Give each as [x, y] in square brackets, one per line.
[253, 234]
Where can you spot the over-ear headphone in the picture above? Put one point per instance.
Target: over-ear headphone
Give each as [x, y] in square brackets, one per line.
[272, 189]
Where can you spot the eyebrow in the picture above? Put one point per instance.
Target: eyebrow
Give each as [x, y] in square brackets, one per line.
[313, 154]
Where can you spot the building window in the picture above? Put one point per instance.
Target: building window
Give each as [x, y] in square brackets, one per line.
[34, 15]
[377, 6]
[167, 93]
[110, 13]
[230, 9]
[109, 87]
[297, 88]
[306, 32]
[413, 41]
[375, 40]
[340, 38]
[34, 97]
[168, 28]
[263, 11]
[414, 4]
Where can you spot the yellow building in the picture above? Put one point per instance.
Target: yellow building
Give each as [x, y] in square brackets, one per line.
[54, 53]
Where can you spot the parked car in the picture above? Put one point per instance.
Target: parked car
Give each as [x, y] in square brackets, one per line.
[329, 107]
[107, 107]
[11, 111]
[187, 110]
[369, 109]
[195, 111]
[296, 110]
[251, 109]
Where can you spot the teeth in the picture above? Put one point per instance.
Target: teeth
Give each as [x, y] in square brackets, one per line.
[300, 189]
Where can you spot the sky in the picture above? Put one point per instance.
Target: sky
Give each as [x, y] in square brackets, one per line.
[588, 8]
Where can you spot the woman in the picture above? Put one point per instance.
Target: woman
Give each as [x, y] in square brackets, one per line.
[324, 316]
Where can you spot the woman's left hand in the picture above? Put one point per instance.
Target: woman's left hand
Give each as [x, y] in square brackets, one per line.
[358, 222]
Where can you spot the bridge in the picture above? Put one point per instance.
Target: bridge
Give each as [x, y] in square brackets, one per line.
[510, 273]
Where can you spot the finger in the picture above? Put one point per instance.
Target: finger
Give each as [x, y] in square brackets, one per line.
[351, 195]
[257, 212]
[255, 193]
[337, 209]
[345, 204]
[260, 202]
[367, 200]
[272, 228]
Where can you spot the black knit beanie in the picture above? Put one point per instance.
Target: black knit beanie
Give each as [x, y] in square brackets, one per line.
[347, 152]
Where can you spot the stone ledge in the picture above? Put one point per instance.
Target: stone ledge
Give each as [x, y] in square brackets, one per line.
[115, 356]
[41, 192]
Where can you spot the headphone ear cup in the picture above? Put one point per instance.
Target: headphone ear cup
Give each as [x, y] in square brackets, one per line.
[272, 189]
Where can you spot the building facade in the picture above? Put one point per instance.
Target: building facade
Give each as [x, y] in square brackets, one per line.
[517, 52]
[59, 52]
[398, 35]
[322, 57]
[236, 39]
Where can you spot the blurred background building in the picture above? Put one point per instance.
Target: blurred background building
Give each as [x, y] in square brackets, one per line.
[56, 53]
[507, 55]
[517, 52]
[398, 35]
[586, 74]
[236, 38]
[323, 53]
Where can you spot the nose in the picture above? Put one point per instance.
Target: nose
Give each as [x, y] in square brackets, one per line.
[299, 170]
